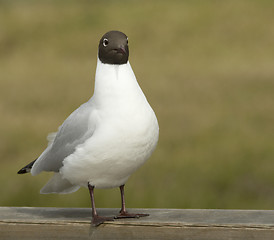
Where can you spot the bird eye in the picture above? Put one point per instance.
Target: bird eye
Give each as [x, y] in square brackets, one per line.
[127, 40]
[105, 42]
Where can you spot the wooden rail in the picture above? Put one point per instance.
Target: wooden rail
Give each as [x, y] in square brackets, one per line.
[74, 223]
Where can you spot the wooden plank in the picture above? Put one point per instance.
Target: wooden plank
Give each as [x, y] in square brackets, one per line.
[74, 223]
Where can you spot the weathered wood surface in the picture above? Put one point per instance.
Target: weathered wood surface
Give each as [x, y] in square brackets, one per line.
[74, 223]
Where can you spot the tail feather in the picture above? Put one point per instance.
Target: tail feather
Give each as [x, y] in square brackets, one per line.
[57, 184]
[27, 168]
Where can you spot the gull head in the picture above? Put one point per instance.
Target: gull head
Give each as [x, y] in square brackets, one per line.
[113, 48]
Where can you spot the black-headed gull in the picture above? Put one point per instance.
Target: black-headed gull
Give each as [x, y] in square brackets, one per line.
[107, 138]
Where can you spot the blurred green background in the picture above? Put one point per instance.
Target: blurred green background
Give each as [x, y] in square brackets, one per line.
[206, 67]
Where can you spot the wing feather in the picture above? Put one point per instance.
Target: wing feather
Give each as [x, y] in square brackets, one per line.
[75, 130]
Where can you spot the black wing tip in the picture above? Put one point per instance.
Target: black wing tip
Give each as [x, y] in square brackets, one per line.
[27, 168]
[22, 171]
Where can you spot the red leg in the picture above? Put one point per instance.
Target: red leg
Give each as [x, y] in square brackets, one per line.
[123, 211]
[96, 219]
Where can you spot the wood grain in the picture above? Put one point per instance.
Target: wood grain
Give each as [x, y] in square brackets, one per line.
[74, 223]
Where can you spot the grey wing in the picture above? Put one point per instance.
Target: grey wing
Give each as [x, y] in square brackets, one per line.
[75, 130]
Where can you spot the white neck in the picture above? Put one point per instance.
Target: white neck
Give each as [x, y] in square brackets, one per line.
[115, 84]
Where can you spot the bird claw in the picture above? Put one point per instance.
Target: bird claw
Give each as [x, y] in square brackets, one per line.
[130, 215]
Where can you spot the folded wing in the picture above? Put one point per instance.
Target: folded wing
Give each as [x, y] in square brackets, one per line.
[75, 130]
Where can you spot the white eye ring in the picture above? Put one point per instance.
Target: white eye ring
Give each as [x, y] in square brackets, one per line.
[105, 42]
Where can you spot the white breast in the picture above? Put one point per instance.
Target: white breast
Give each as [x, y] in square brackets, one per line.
[126, 131]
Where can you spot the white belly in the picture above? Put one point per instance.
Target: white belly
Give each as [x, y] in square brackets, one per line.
[113, 153]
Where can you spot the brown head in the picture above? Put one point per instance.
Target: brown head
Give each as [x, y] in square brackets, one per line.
[113, 48]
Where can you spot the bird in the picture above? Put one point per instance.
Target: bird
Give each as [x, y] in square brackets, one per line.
[107, 138]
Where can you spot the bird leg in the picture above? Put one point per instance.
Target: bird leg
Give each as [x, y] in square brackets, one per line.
[96, 219]
[123, 211]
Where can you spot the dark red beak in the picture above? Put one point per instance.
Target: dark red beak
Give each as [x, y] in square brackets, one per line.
[121, 49]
